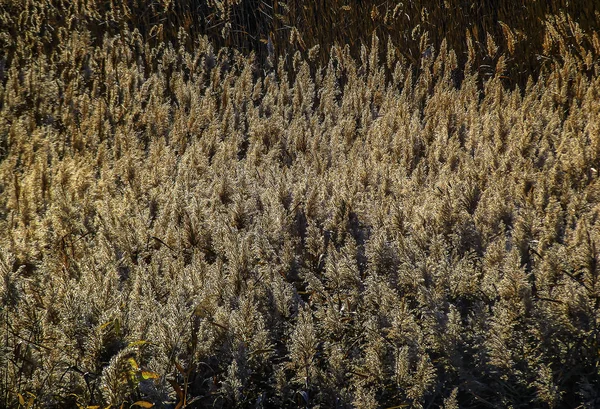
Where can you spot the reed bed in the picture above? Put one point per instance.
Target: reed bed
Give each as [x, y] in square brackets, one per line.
[192, 218]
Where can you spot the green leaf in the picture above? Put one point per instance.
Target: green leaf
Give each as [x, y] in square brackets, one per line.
[117, 327]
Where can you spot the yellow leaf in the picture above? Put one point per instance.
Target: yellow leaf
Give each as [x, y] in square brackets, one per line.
[138, 343]
[143, 404]
[133, 363]
[105, 325]
[150, 375]
[21, 399]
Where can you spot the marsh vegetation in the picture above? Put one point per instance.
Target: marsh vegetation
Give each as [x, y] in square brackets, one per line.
[200, 207]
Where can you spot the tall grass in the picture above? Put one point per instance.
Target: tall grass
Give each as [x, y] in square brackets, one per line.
[385, 223]
[530, 36]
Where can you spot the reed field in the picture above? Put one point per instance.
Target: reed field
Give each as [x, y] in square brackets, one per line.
[327, 204]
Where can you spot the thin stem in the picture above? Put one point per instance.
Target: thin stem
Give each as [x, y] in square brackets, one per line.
[6, 367]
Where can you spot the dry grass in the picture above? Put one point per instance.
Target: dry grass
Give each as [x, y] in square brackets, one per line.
[187, 224]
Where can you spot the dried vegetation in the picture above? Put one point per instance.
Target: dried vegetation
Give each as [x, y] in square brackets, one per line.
[183, 224]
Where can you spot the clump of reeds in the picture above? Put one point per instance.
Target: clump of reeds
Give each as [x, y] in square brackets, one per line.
[353, 226]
